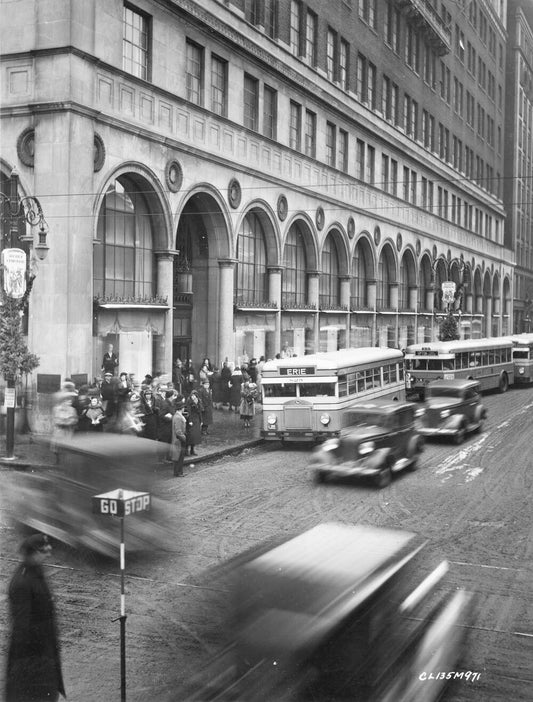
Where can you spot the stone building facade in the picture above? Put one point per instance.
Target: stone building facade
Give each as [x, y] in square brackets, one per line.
[236, 179]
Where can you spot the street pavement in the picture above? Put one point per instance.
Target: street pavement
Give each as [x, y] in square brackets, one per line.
[225, 436]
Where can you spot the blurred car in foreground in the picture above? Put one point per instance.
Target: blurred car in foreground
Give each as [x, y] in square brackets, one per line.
[380, 438]
[58, 502]
[340, 612]
[452, 408]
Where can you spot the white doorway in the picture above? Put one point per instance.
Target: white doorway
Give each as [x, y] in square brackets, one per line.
[135, 354]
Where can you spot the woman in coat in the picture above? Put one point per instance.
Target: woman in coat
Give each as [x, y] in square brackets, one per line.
[247, 406]
[235, 383]
[217, 393]
[225, 375]
[193, 414]
[149, 416]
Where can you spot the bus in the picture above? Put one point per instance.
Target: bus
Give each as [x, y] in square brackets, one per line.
[305, 397]
[523, 358]
[489, 361]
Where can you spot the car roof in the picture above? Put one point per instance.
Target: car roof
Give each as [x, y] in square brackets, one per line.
[452, 384]
[111, 446]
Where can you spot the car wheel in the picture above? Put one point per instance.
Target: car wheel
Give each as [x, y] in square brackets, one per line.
[320, 476]
[460, 436]
[480, 427]
[504, 383]
[384, 477]
[413, 465]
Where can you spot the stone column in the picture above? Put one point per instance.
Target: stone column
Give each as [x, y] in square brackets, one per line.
[274, 295]
[226, 341]
[488, 318]
[165, 288]
[313, 299]
[371, 292]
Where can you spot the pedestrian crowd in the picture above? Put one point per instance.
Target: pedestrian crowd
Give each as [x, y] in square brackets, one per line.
[175, 409]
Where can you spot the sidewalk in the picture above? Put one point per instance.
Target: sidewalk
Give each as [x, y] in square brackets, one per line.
[226, 435]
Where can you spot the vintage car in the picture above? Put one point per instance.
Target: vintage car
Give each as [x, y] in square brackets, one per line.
[379, 438]
[452, 408]
[340, 612]
[59, 501]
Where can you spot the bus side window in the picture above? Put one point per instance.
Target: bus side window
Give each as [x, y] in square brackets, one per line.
[400, 373]
[343, 386]
[360, 382]
[386, 375]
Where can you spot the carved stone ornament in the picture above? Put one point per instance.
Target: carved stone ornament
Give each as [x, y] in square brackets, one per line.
[283, 207]
[234, 193]
[173, 176]
[351, 227]
[26, 147]
[399, 241]
[99, 153]
[418, 247]
[377, 236]
[319, 218]
[434, 252]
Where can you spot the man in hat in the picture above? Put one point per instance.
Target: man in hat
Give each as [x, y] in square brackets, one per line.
[179, 437]
[110, 360]
[33, 660]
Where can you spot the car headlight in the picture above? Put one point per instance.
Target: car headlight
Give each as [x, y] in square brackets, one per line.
[272, 420]
[330, 445]
[444, 414]
[325, 419]
[366, 447]
[420, 412]
[521, 371]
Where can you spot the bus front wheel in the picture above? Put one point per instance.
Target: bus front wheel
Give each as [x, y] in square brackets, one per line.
[504, 383]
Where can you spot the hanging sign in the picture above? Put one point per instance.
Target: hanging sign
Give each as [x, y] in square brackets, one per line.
[448, 291]
[9, 397]
[14, 264]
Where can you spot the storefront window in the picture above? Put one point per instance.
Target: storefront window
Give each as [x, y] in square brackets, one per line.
[251, 280]
[294, 290]
[123, 256]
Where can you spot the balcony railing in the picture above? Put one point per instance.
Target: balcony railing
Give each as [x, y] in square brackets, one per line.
[247, 302]
[296, 301]
[426, 19]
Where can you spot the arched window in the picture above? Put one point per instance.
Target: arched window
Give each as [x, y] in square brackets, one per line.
[329, 275]
[294, 291]
[123, 257]
[251, 280]
[361, 274]
[386, 279]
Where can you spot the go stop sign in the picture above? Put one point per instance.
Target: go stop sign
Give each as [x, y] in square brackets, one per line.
[121, 503]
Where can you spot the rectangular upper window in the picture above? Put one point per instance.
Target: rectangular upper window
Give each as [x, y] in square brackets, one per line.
[219, 85]
[310, 38]
[294, 28]
[270, 112]
[310, 133]
[295, 126]
[251, 87]
[194, 73]
[136, 42]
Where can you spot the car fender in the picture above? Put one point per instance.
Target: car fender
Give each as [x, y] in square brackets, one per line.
[379, 458]
[455, 421]
[416, 445]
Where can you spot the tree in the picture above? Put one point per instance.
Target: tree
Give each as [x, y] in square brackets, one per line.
[15, 358]
[448, 330]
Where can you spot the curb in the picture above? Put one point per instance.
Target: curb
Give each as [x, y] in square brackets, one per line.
[222, 452]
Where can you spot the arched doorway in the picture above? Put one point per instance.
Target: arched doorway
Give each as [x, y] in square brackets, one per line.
[202, 240]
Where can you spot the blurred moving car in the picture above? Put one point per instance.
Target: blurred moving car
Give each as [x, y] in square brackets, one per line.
[341, 612]
[452, 408]
[379, 438]
[58, 502]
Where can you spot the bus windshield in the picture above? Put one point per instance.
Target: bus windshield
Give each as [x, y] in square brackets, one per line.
[433, 364]
[279, 389]
[522, 353]
[317, 389]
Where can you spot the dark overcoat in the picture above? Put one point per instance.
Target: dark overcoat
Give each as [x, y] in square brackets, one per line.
[33, 660]
[206, 398]
[235, 388]
[225, 375]
[193, 413]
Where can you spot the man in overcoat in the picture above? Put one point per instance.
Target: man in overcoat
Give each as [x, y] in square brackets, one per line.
[33, 659]
[179, 438]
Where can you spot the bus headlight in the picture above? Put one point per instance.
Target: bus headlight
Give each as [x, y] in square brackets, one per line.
[366, 448]
[325, 419]
[444, 414]
[521, 371]
[272, 420]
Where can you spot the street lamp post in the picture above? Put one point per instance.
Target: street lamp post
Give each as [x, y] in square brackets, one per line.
[17, 280]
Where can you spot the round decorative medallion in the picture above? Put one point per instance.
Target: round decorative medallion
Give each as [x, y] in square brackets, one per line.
[418, 247]
[283, 207]
[234, 193]
[399, 241]
[99, 153]
[26, 147]
[319, 218]
[173, 176]
[351, 227]
[377, 236]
